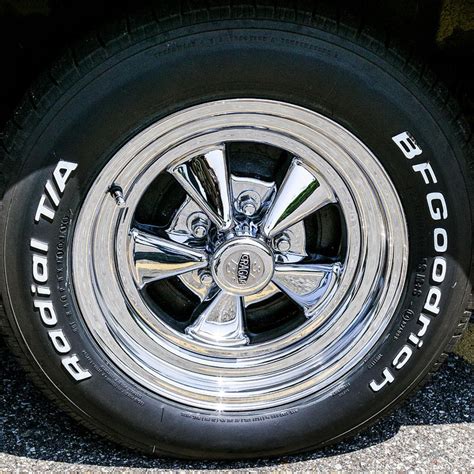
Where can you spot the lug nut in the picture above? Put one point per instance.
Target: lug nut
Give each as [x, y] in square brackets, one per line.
[249, 209]
[248, 203]
[199, 231]
[282, 243]
[198, 225]
[205, 278]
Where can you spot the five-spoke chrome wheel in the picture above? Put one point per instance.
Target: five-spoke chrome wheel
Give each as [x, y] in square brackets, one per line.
[240, 255]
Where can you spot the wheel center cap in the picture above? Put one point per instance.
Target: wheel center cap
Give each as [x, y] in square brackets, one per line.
[242, 266]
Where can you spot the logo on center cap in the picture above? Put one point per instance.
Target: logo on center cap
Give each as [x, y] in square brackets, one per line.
[243, 269]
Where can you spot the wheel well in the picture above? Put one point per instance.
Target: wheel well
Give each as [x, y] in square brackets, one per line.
[33, 33]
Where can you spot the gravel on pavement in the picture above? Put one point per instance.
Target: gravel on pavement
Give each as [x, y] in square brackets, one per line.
[431, 432]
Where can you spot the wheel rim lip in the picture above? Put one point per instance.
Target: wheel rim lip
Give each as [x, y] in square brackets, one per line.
[307, 382]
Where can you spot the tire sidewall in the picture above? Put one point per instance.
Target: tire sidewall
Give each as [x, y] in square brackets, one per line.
[126, 93]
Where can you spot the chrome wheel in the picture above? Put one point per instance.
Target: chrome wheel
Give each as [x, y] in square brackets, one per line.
[279, 279]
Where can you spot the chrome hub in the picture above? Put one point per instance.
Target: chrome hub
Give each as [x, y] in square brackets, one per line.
[239, 255]
[243, 266]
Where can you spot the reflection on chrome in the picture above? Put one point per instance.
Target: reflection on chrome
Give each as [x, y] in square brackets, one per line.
[155, 258]
[220, 321]
[301, 194]
[206, 180]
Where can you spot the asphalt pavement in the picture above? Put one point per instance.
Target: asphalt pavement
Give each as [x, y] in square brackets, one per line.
[432, 432]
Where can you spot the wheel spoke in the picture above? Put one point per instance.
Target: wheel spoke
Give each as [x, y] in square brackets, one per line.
[154, 258]
[307, 284]
[301, 193]
[206, 180]
[220, 321]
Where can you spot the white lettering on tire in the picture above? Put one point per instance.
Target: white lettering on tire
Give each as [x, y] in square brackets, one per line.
[61, 174]
[40, 288]
[407, 144]
[438, 211]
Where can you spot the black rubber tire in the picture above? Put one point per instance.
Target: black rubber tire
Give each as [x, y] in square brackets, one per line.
[113, 85]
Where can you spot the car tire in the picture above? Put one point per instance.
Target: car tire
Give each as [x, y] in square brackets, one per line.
[290, 83]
